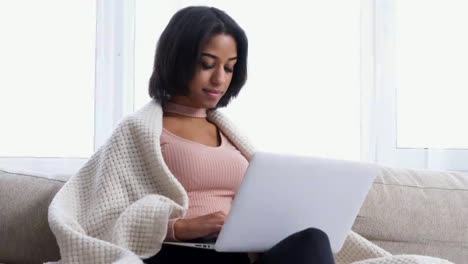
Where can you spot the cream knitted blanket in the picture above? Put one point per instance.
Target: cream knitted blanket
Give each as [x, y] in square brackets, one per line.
[116, 208]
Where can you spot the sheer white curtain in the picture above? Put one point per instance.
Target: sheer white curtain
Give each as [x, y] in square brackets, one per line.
[303, 92]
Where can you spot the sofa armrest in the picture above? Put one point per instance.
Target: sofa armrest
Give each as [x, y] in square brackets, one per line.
[25, 236]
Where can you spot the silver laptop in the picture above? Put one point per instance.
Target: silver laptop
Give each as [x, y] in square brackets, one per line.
[283, 194]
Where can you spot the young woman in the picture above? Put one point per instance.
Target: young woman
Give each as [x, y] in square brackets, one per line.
[201, 65]
[171, 170]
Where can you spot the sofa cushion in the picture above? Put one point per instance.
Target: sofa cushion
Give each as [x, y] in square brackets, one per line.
[417, 212]
[25, 236]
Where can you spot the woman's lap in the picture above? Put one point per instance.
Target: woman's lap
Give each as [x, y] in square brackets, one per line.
[178, 254]
[307, 246]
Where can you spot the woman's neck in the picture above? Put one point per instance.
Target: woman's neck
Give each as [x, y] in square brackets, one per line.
[184, 110]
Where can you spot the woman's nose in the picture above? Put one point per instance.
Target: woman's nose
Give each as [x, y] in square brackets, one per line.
[219, 76]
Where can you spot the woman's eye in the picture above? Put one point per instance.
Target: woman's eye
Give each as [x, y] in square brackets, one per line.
[207, 66]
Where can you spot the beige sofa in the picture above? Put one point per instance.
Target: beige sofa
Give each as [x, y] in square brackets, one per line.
[406, 211]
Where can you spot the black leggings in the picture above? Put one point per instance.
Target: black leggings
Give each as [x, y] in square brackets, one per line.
[307, 246]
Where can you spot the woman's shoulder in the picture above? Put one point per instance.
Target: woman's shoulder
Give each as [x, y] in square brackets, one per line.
[146, 121]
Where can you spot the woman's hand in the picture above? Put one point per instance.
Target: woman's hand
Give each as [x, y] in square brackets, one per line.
[203, 226]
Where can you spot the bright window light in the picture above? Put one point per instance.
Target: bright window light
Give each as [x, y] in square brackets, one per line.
[47, 78]
[303, 93]
[431, 73]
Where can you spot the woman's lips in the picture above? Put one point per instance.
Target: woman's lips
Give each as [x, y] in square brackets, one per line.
[213, 94]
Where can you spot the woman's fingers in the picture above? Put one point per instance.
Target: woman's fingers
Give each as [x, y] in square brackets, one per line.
[202, 226]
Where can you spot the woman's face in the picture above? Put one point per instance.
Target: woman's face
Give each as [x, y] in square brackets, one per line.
[213, 73]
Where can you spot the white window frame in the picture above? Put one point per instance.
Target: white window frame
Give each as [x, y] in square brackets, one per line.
[379, 129]
[114, 96]
[114, 90]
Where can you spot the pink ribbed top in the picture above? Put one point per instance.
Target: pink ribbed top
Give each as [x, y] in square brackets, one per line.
[210, 175]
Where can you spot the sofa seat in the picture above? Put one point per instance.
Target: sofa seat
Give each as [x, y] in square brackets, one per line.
[417, 212]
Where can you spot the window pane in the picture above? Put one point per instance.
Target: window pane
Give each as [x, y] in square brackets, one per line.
[431, 68]
[303, 91]
[47, 83]
[151, 17]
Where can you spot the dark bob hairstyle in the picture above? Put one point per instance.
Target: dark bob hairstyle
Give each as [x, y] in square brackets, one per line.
[179, 50]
